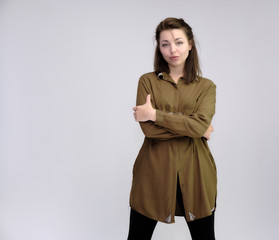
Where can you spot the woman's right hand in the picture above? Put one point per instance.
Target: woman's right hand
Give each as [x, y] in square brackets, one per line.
[145, 112]
[208, 132]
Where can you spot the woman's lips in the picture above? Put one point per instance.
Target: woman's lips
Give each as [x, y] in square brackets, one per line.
[174, 57]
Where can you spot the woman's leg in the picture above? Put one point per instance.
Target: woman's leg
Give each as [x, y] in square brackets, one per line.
[202, 229]
[141, 227]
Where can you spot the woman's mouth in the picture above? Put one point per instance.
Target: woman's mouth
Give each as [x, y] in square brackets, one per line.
[174, 58]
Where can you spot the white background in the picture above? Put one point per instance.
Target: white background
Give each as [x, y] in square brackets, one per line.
[68, 79]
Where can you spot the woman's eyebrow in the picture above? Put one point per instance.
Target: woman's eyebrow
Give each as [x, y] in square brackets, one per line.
[175, 39]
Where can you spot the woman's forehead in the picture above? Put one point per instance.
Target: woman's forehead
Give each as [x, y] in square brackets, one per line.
[172, 34]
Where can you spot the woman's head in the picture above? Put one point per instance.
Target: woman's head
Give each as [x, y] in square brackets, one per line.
[176, 45]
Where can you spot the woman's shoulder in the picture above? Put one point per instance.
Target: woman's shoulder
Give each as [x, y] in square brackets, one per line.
[149, 76]
[206, 82]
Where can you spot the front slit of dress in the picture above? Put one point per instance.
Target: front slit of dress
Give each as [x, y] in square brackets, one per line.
[179, 208]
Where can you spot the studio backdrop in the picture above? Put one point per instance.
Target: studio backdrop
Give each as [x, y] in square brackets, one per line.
[68, 140]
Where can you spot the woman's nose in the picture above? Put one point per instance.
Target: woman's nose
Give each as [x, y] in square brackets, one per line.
[173, 48]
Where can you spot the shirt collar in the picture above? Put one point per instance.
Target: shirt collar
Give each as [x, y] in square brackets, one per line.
[165, 76]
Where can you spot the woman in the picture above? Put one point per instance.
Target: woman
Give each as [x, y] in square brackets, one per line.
[174, 173]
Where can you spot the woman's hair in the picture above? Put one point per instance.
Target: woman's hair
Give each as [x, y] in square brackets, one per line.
[192, 66]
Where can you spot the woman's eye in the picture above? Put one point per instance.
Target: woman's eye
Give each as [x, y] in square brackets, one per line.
[164, 44]
[179, 43]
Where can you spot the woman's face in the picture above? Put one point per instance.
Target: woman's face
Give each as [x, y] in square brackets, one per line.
[174, 47]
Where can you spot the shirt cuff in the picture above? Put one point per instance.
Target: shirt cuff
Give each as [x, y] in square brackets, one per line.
[159, 117]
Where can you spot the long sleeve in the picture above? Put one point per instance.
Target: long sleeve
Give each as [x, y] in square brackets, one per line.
[195, 124]
[149, 128]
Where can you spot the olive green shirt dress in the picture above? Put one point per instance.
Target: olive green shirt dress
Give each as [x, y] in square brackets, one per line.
[174, 149]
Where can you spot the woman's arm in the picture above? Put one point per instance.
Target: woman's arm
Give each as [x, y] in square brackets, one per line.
[146, 112]
[149, 128]
[196, 125]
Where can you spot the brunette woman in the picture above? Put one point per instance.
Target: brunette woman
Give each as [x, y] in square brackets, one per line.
[174, 173]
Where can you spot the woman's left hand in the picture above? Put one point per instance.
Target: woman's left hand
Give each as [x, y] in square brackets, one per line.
[145, 112]
[208, 132]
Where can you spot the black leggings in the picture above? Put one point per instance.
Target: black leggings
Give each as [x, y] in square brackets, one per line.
[142, 227]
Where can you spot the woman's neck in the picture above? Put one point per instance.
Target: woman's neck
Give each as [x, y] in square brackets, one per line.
[176, 72]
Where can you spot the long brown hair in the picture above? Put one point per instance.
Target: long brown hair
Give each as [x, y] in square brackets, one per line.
[192, 66]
